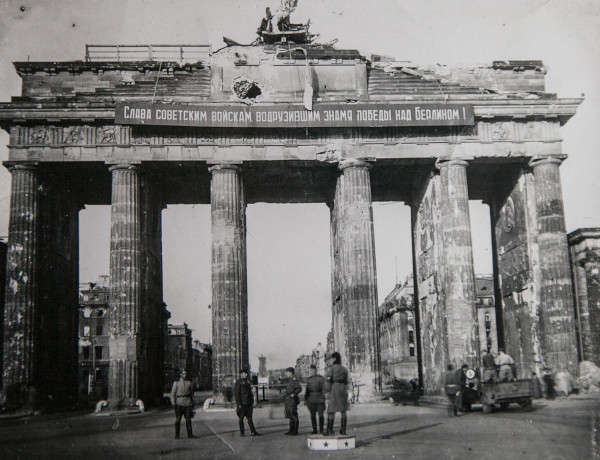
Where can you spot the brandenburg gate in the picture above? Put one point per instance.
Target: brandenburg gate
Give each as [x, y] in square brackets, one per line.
[268, 123]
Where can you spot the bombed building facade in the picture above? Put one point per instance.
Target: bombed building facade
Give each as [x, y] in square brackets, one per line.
[183, 125]
[584, 245]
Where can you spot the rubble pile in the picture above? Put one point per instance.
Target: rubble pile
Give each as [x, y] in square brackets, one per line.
[589, 377]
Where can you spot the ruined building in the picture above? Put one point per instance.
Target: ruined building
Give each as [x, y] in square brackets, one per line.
[94, 318]
[183, 125]
[485, 305]
[201, 373]
[584, 245]
[397, 326]
[397, 337]
[179, 354]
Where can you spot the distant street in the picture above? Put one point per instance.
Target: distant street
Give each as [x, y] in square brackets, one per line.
[559, 429]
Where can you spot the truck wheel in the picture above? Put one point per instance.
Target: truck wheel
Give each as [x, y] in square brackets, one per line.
[504, 405]
[487, 408]
[528, 406]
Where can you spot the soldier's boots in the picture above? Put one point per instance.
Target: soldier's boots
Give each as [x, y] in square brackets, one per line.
[343, 424]
[321, 419]
[253, 431]
[290, 431]
[313, 421]
[329, 431]
[242, 428]
[296, 426]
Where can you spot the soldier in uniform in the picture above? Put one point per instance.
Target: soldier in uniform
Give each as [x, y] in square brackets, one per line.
[291, 401]
[244, 400]
[182, 400]
[337, 382]
[314, 398]
[452, 389]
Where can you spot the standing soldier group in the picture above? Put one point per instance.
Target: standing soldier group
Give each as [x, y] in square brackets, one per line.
[335, 384]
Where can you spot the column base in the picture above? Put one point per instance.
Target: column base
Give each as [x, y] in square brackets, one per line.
[218, 404]
[117, 407]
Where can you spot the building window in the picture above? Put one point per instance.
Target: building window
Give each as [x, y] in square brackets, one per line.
[86, 331]
[100, 313]
[99, 329]
[411, 350]
[98, 351]
[86, 352]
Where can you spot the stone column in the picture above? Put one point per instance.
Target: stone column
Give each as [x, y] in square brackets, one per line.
[337, 310]
[125, 285]
[229, 282]
[557, 330]
[429, 280]
[357, 278]
[461, 314]
[21, 294]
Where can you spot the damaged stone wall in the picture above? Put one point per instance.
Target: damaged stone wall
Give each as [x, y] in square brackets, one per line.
[125, 286]
[57, 347]
[514, 232]
[22, 290]
[40, 335]
[355, 313]
[534, 282]
[585, 264]
[429, 292]
[229, 275]
[459, 282]
[445, 281]
[153, 319]
[556, 288]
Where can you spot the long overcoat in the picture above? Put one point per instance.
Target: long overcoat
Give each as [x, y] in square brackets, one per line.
[337, 381]
[291, 399]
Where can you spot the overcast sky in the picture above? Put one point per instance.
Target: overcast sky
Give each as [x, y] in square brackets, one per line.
[288, 245]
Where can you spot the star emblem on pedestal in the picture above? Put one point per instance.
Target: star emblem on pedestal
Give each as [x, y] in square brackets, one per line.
[346, 443]
[325, 444]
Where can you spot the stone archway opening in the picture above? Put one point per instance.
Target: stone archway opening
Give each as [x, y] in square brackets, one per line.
[289, 281]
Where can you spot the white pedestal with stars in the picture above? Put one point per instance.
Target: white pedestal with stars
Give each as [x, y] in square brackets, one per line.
[331, 442]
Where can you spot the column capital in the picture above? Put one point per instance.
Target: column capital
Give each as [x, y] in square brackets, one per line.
[354, 163]
[540, 161]
[125, 166]
[445, 162]
[26, 166]
[224, 167]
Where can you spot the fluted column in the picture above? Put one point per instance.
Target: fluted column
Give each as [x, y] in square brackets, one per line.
[337, 311]
[459, 283]
[556, 290]
[229, 282]
[125, 285]
[21, 292]
[357, 278]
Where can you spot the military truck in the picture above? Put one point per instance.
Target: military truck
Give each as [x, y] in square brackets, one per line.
[505, 393]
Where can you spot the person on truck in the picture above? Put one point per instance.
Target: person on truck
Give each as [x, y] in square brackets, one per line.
[504, 363]
[489, 366]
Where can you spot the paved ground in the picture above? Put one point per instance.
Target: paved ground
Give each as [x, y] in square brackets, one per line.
[560, 429]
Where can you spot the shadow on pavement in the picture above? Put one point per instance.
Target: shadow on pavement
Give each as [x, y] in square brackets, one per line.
[366, 442]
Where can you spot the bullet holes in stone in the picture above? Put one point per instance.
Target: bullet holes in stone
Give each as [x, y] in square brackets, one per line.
[23, 8]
